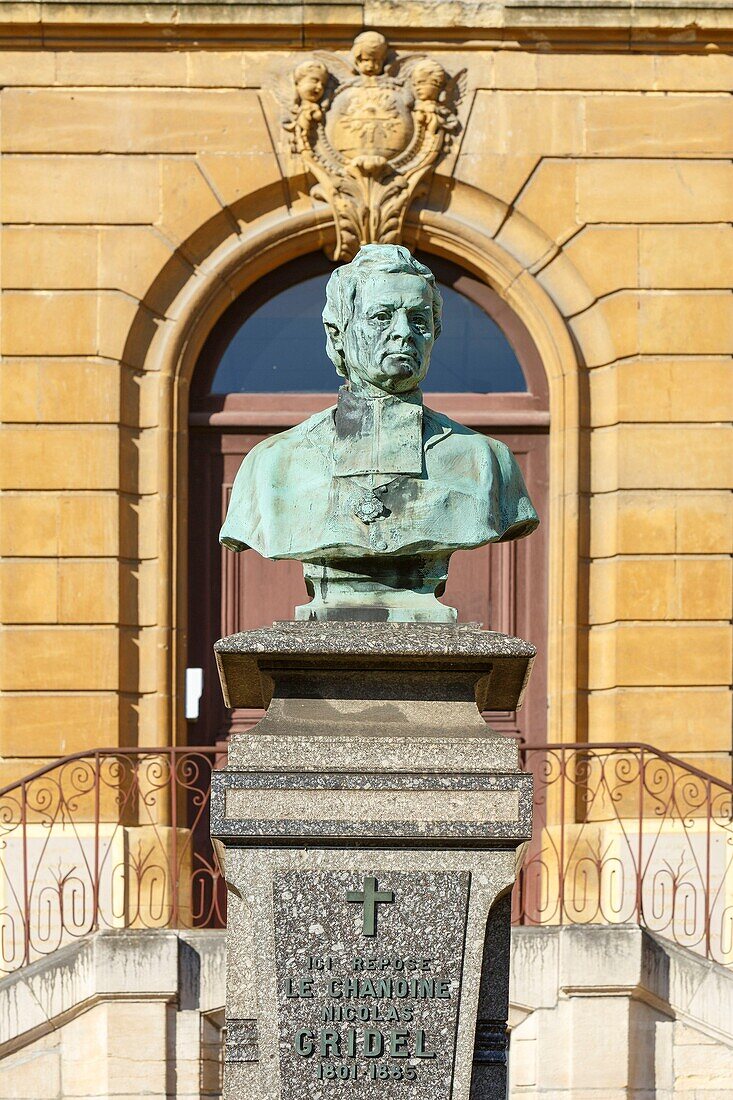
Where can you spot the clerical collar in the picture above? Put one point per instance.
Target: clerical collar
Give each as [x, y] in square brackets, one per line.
[378, 434]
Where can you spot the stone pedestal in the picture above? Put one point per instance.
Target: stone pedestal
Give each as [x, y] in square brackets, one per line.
[370, 830]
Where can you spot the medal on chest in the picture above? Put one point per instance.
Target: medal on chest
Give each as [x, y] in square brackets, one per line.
[369, 507]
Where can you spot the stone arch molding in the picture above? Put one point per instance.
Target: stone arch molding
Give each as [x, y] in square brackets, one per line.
[457, 233]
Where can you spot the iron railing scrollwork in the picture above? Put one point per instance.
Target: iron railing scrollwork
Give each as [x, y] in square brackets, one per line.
[624, 833]
[119, 838]
[114, 838]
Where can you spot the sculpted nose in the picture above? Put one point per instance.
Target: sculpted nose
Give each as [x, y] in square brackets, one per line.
[401, 325]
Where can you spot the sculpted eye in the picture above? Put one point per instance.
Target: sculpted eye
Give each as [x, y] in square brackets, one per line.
[381, 315]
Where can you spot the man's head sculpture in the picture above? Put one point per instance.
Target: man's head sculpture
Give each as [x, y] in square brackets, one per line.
[382, 317]
[375, 494]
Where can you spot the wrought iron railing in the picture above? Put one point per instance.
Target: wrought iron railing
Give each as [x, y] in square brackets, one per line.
[624, 833]
[114, 838]
[118, 838]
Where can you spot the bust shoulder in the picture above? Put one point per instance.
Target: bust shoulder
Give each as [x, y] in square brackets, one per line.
[439, 421]
[480, 447]
[279, 447]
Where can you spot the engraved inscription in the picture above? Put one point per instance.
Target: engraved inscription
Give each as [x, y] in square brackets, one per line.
[369, 972]
[241, 1041]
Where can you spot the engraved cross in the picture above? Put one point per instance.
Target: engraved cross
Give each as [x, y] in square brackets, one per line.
[370, 897]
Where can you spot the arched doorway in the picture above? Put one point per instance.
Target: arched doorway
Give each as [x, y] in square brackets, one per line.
[263, 368]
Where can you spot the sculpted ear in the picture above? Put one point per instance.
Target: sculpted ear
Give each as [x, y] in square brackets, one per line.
[335, 346]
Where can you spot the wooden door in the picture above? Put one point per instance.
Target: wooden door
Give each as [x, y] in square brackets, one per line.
[503, 587]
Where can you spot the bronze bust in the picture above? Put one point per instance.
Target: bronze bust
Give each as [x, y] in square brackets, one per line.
[375, 494]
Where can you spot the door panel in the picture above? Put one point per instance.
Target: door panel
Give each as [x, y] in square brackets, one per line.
[502, 587]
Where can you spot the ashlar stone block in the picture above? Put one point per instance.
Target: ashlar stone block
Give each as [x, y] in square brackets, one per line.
[16, 64]
[188, 201]
[608, 330]
[139, 262]
[663, 456]
[60, 457]
[49, 323]
[521, 123]
[222, 68]
[595, 71]
[28, 591]
[89, 591]
[606, 257]
[686, 257]
[660, 588]
[548, 200]
[63, 391]
[39, 1081]
[673, 719]
[502, 175]
[90, 524]
[132, 120]
[236, 176]
[673, 654]
[679, 323]
[664, 191]
[125, 328]
[661, 522]
[658, 125]
[80, 190]
[564, 284]
[126, 68]
[74, 658]
[709, 72]
[40, 258]
[686, 389]
[28, 524]
[84, 1053]
[78, 722]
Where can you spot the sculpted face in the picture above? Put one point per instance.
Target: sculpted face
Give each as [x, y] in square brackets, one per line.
[310, 80]
[388, 340]
[369, 53]
[428, 80]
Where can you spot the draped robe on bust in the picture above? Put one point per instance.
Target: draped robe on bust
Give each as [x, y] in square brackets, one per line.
[441, 486]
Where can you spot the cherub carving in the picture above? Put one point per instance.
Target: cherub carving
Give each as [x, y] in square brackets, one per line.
[369, 128]
[369, 53]
[431, 84]
[310, 81]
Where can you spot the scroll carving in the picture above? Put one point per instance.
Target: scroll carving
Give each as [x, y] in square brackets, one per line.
[369, 130]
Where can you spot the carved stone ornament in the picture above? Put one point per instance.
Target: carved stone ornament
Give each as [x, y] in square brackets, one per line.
[369, 129]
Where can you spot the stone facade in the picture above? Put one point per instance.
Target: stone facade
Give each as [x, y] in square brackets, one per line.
[616, 1014]
[146, 179]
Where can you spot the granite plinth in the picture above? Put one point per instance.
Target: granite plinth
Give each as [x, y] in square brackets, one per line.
[291, 920]
[369, 829]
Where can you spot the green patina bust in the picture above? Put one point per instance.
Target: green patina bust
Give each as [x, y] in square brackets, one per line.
[375, 494]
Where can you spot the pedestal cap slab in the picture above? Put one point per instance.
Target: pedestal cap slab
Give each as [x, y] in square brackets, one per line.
[498, 665]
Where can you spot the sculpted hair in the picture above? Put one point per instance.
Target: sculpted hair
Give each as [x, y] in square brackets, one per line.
[371, 259]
